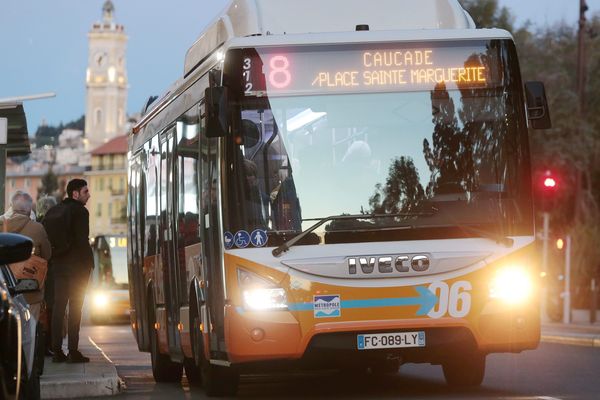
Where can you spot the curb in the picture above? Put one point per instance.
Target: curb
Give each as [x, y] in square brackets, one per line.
[94, 379]
[93, 387]
[588, 341]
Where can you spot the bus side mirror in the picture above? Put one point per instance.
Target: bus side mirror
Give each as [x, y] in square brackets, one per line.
[537, 105]
[217, 123]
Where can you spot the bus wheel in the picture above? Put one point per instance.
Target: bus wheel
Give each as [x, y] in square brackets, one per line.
[218, 380]
[465, 370]
[163, 369]
[191, 365]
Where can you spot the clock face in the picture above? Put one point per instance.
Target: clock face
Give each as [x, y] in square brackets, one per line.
[100, 59]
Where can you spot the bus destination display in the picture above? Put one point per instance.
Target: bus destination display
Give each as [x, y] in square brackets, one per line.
[363, 70]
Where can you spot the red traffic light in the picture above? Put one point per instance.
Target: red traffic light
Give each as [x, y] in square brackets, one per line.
[549, 182]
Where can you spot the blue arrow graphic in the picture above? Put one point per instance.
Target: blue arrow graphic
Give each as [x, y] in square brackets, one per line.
[425, 299]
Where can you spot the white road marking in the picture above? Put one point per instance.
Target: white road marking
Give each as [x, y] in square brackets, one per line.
[101, 351]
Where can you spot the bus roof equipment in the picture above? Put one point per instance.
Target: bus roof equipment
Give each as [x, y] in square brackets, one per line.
[243, 18]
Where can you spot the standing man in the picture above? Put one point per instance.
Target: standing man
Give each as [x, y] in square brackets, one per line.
[72, 266]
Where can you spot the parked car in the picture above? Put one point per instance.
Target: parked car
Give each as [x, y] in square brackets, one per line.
[19, 376]
[109, 285]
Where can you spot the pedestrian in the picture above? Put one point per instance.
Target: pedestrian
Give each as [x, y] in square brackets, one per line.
[70, 221]
[43, 205]
[19, 221]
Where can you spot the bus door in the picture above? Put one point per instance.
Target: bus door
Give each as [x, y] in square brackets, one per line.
[168, 237]
[211, 242]
[136, 278]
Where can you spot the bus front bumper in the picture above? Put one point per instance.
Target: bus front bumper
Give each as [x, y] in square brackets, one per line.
[277, 335]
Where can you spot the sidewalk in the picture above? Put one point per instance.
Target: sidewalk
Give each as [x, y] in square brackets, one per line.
[578, 333]
[96, 378]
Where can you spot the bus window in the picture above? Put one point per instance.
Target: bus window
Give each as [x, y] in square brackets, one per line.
[188, 232]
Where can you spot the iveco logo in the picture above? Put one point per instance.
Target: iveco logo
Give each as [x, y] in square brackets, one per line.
[388, 264]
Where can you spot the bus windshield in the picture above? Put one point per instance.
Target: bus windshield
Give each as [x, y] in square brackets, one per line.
[438, 150]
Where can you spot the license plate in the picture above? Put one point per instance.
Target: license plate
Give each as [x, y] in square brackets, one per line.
[391, 340]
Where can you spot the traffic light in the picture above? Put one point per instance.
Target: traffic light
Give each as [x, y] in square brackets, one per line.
[548, 184]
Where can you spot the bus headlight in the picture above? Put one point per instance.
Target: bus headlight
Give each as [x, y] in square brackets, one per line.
[100, 300]
[512, 285]
[260, 294]
[265, 299]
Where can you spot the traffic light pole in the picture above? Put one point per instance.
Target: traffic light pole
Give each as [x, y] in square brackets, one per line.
[545, 234]
[545, 243]
[567, 293]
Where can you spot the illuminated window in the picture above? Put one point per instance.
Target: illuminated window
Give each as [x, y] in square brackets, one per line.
[112, 74]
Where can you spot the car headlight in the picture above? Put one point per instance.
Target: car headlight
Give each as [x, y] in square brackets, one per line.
[260, 294]
[512, 285]
[100, 300]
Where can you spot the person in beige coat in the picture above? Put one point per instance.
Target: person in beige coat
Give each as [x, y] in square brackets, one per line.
[18, 220]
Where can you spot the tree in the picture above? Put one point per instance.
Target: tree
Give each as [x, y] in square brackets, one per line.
[449, 156]
[487, 14]
[47, 135]
[572, 147]
[49, 184]
[402, 192]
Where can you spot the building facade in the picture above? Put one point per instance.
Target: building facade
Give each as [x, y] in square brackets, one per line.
[107, 181]
[28, 178]
[106, 80]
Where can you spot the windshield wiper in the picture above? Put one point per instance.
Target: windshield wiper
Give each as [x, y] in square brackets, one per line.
[287, 245]
[496, 237]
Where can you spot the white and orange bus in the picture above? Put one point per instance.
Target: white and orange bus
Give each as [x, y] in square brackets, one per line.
[336, 184]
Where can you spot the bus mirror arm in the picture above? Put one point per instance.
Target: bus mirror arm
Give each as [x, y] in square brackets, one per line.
[538, 111]
[217, 121]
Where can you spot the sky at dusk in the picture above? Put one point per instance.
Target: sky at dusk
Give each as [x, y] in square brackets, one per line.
[44, 46]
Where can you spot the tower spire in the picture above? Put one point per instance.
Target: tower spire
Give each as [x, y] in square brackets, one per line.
[107, 12]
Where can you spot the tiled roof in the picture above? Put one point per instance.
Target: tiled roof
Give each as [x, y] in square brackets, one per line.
[117, 145]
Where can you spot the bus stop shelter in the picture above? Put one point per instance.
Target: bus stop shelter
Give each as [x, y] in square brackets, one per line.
[14, 139]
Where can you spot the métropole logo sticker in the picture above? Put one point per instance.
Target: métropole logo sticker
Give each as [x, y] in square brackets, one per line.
[327, 306]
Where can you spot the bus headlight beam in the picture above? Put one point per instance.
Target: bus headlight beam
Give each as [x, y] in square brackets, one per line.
[512, 285]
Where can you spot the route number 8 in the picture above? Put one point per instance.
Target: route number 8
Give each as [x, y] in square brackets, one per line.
[279, 75]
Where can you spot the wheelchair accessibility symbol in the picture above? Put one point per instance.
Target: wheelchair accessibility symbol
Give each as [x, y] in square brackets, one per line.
[241, 239]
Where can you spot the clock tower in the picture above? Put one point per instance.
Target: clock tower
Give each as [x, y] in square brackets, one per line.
[106, 80]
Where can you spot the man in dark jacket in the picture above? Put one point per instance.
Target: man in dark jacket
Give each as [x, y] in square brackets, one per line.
[72, 272]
